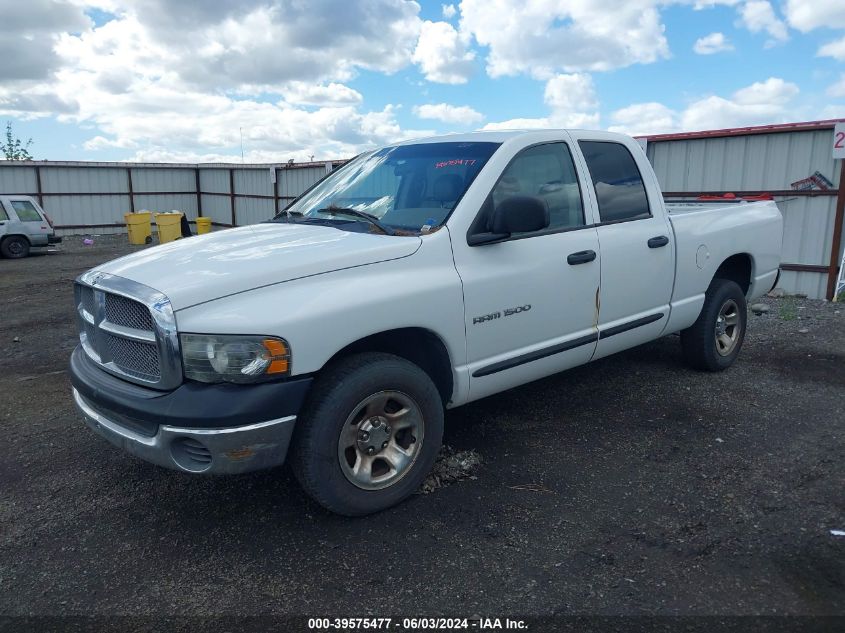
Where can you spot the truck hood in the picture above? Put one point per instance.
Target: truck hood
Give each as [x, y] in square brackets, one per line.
[206, 267]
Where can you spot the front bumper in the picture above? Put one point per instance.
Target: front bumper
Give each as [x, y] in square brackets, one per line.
[233, 450]
[198, 428]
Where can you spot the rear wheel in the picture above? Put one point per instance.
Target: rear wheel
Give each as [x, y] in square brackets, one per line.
[713, 342]
[15, 247]
[368, 434]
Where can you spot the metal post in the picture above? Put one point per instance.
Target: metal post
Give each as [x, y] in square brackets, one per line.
[837, 235]
[131, 192]
[38, 185]
[232, 195]
[199, 193]
[276, 191]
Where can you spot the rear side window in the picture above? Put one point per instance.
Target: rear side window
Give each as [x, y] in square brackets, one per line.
[546, 172]
[26, 211]
[619, 185]
[3, 215]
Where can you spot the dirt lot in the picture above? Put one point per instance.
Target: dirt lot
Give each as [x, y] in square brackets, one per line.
[630, 486]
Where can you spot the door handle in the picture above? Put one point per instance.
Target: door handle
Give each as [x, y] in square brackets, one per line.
[581, 257]
[657, 242]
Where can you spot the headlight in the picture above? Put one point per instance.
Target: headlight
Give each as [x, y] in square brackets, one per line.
[225, 358]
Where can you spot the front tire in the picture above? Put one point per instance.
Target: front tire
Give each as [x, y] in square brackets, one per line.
[15, 247]
[368, 434]
[713, 342]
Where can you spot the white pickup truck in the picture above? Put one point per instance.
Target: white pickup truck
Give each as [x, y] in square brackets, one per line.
[416, 277]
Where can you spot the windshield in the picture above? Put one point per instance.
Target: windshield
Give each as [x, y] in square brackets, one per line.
[409, 188]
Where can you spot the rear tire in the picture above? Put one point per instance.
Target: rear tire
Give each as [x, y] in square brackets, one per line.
[15, 247]
[713, 342]
[368, 434]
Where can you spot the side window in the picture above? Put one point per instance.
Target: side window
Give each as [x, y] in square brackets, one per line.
[25, 211]
[546, 172]
[3, 215]
[619, 185]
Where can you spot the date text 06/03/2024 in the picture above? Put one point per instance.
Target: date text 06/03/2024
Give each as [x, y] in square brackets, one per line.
[415, 624]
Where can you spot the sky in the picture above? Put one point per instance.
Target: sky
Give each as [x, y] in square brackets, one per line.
[168, 81]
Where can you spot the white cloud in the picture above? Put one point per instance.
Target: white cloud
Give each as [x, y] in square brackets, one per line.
[449, 11]
[543, 37]
[837, 89]
[644, 118]
[713, 43]
[835, 49]
[132, 82]
[773, 91]
[806, 15]
[255, 46]
[572, 100]
[441, 55]
[448, 113]
[34, 103]
[760, 103]
[709, 4]
[302, 93]
[572, 103]
[759, 16]
[28, 31]
[833, 112]
[769, 101]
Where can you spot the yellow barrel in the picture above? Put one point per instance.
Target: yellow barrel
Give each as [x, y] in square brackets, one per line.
[169, 226]
[203, 225]
[138, 225]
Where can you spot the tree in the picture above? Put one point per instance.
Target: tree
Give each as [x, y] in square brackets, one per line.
[14, 148]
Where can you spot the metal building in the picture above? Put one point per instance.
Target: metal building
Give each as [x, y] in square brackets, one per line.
[93, 197]
[768, 159]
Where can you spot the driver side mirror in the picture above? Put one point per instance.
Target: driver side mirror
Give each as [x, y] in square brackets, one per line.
[515, 214]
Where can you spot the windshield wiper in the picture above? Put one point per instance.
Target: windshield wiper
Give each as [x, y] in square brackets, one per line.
[359, 214]
[287, 216]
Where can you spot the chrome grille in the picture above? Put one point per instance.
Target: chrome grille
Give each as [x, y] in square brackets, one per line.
[128, 313]
[88, 300]
[133, 338]
[134, 357]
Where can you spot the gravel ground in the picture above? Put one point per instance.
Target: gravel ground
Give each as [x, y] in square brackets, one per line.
[629, 486]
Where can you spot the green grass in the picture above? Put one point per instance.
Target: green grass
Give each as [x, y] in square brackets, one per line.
[787, 310]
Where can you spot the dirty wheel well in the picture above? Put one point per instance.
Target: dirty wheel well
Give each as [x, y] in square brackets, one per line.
[736, 268]
[418, 345]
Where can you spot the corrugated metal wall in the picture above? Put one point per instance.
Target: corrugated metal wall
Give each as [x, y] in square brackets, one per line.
[763, 162]
[93, 197]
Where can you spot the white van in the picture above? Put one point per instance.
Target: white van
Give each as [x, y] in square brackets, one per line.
[23, 224]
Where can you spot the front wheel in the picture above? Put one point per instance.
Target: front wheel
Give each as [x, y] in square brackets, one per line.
[15, 247]
[368, 434]
[713, 342]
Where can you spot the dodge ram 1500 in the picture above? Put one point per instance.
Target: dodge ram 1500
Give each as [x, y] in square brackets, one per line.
[417, 277]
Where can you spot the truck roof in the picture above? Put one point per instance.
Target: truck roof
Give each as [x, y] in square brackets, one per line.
[500, 136]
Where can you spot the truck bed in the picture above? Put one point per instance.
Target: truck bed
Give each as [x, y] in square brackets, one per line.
[678, 208]
[707, 233]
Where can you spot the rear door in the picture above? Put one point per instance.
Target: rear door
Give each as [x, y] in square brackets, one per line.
[637, 248]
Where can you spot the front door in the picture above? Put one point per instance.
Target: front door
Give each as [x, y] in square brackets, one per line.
[531, 300]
